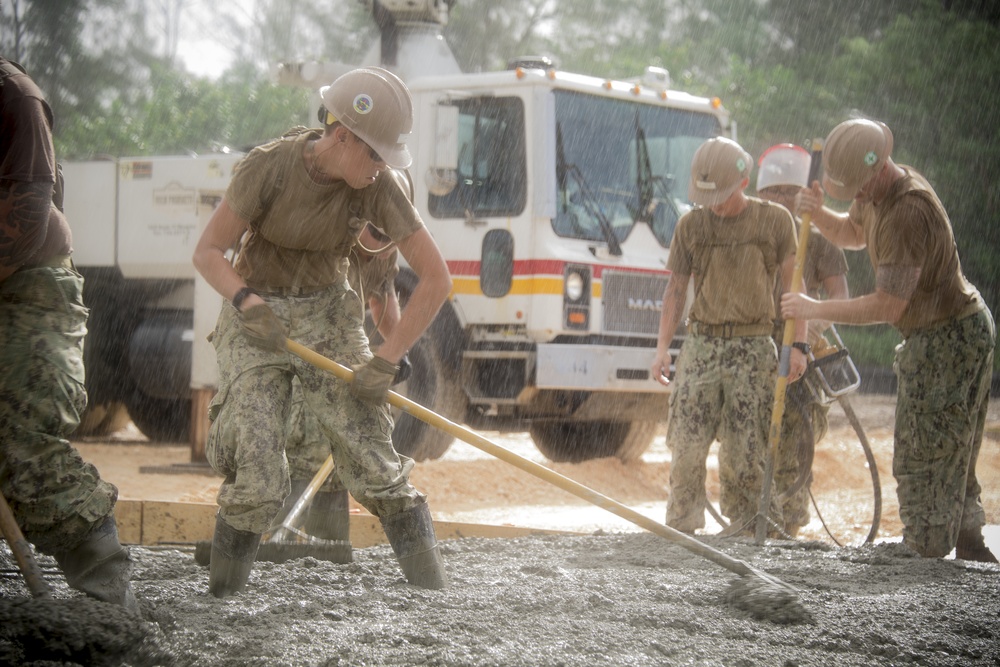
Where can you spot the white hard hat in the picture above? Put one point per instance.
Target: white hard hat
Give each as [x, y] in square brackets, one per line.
[783, 164]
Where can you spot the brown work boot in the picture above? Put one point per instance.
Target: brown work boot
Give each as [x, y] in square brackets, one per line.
[972, 546]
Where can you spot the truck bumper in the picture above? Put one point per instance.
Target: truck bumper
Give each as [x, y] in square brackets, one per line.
[595, 368]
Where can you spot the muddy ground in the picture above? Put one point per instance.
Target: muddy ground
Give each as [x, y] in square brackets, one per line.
[613, 596]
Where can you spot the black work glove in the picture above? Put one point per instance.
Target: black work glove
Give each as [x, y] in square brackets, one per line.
[404, 372]
[372, 381]
[263, 328]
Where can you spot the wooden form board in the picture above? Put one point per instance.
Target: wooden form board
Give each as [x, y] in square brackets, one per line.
[151, 523]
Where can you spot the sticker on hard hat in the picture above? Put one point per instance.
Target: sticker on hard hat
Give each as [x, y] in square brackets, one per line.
[363, 103]
[741, 165]
[871, 158]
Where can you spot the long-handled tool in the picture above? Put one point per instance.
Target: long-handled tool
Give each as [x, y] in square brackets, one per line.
[22, 552]
[778, 409]
[288, 526]
[761, 594]
[287, 542]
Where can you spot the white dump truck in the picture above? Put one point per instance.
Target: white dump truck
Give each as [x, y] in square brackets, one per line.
[553, 197]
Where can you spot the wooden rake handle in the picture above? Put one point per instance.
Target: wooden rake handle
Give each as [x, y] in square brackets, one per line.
[586, 493]
[22, 552]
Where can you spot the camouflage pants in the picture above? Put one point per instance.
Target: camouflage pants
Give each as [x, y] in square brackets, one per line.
[944, 379]
[724, 390]
[305, 447]
[250, 413]
[803, 425]
[55, 495]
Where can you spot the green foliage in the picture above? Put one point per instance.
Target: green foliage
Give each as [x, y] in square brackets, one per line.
[873, 345]
[180, 114]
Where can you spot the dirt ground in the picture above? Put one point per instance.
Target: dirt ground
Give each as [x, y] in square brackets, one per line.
[614, 595]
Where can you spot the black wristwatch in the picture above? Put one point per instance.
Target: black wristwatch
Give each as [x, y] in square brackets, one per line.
[803, 348]
[241, 295]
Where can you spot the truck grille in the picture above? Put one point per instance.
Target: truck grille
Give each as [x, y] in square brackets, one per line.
[632, 302]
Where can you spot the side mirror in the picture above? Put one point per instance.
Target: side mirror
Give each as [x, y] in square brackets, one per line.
[442, 174]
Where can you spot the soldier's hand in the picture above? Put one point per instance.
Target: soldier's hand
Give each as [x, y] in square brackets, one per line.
[372, 381]
[263, 328]
[809, 200]
[797, 366]
[660, 369]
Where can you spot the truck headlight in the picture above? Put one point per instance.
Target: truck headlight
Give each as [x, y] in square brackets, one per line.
[575, 284]
[576, 298]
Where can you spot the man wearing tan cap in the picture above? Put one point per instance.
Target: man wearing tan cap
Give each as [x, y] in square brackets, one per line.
[944, 364]
[733, 246]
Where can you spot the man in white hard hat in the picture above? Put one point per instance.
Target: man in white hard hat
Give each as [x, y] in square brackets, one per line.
[290, 281]
[732, 246]
[783, 170]
[945, 361]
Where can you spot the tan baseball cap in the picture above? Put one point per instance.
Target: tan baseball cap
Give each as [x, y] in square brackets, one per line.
[854, 151]
[717, 171]
[374, 104]
[783, 164]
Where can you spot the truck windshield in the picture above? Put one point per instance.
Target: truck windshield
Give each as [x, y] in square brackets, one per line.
[619, 163]
[491, 174]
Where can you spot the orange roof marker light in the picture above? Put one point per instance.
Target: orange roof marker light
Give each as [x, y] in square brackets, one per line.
[716, 103]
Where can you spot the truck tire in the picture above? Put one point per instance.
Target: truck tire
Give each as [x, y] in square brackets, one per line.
[578, 441]
[160, 419]
[430, 386]
[100, 420]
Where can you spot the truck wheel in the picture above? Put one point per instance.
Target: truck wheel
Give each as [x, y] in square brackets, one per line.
[160, 419]
[575, 442]
[102, 419]
[429, 386]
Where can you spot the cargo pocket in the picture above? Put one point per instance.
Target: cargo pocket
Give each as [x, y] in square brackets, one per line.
[216, 452]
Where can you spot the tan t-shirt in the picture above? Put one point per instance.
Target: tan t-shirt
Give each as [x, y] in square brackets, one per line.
[373, 275]
[734, 261]
[301, 232]
[910, 228]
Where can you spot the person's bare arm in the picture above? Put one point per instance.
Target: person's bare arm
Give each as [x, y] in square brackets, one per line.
[385, 311]
[433, 287]
[221, 233]
[24, 214]
[836, 227]
[674, 301]
[894, 286]
[835, 287]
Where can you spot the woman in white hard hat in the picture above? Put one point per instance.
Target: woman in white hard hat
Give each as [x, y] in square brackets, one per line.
[783, 170]
[299, 203]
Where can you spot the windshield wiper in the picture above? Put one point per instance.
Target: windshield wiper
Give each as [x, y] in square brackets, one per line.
[564, 170]
[648, 185]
